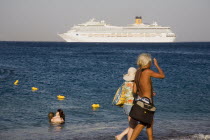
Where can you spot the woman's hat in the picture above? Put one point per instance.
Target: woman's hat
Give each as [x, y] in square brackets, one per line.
[130, 76]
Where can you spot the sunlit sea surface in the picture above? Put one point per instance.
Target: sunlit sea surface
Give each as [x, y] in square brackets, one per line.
[90, 73]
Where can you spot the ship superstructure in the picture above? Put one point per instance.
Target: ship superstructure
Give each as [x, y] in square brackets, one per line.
[99, 31]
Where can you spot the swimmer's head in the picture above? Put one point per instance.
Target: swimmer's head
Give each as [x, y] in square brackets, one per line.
[50, 116]
[61, 113]
[144, 59]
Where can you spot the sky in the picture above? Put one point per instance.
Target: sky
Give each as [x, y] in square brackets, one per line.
[42, 20]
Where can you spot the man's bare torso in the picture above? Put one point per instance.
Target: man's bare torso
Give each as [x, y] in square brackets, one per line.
[145, 84]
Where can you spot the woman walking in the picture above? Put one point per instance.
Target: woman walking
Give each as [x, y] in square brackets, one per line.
[129, 97]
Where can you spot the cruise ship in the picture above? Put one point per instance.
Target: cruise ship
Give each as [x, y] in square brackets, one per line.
[100, 31]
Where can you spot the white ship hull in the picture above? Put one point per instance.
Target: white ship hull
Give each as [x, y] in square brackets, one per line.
[72, 38]
[95, 31]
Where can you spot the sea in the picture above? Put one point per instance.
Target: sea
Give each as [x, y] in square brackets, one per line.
[90, 73]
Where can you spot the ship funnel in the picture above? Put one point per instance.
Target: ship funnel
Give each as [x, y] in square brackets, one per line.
[138, 20]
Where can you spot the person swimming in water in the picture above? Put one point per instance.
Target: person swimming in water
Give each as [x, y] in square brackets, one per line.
[50, 116]
[58, 118]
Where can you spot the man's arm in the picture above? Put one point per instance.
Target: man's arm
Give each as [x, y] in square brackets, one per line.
[134, 88]
[160, 73]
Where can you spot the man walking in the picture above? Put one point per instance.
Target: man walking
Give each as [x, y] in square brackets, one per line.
[143, 87]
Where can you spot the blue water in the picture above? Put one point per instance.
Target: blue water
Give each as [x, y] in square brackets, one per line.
[90, 73]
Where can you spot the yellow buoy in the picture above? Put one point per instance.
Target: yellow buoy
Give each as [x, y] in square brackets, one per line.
[34, 88]
[16, 82]
[95, 105]
[60, 97]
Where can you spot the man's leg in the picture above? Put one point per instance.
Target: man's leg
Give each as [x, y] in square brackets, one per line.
[137, 131]
[150, 132]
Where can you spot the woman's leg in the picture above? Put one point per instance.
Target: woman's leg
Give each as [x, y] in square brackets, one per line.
[120, 136]
[132, 125]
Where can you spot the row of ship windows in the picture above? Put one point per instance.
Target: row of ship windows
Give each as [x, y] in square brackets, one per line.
[127, 35]
[131, 28]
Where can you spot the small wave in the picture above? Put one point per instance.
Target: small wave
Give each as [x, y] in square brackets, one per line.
[193, 137]
[201, 136]
[4, 73]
